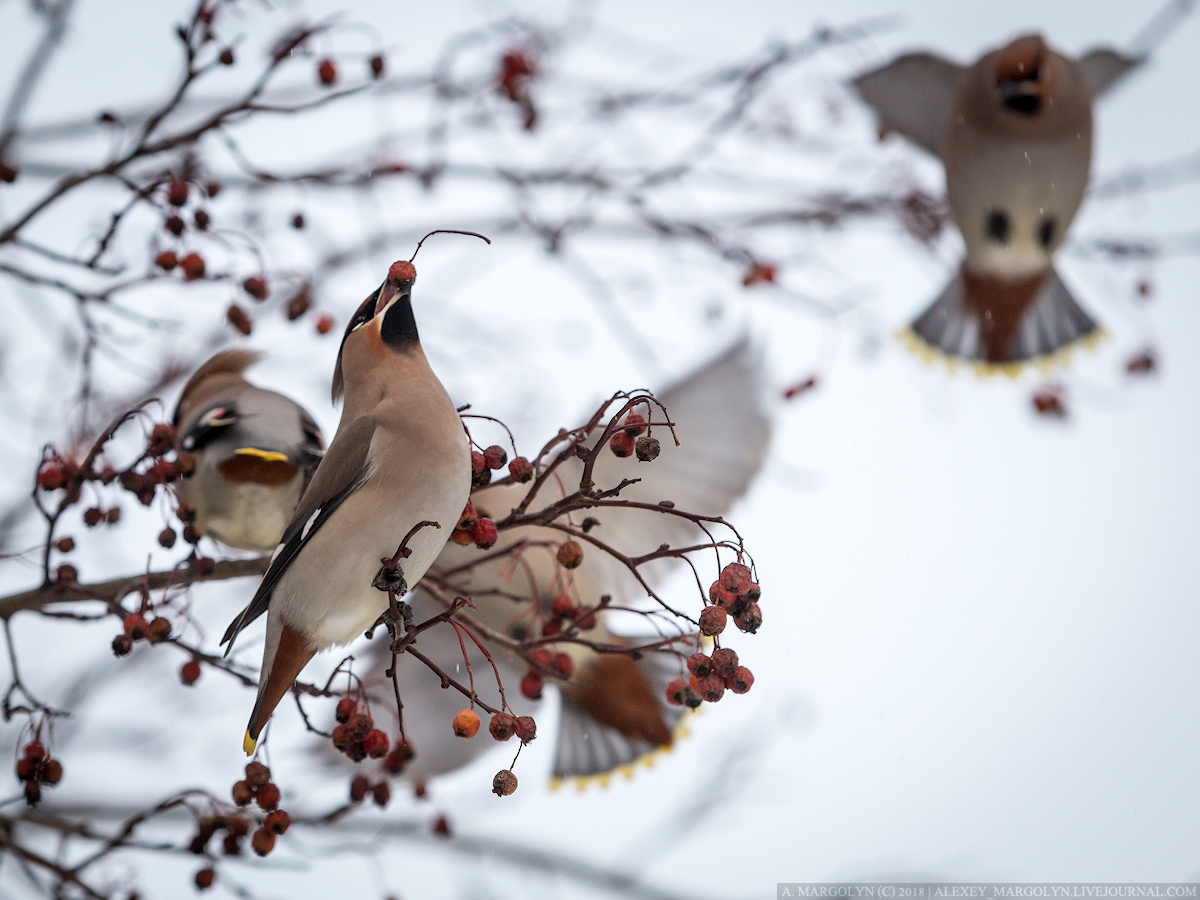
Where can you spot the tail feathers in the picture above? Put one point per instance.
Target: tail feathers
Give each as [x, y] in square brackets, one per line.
[616, 715]
[291, 655]
[1004, 324]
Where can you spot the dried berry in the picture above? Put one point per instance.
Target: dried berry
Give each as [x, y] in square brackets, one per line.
[504, 783]
[121, 645]
[382, 793]
[735, 578]
[711, 688]
[185, 463]
[635, 424]
[395, 761]
[136, 626]
[724, 662]
[346, 709]
[177, 192]
[750, 618]
[376, 67]
[531, 685]
[376, 744]
[237, 317]
[174, 224]
[569, 555]
[675, 692]
[359, 785]
[166, 260]
[740, 681]
[159, 630]
[700, 665]
[35, 750]
[646, 448]
[324, 324]
[93, 517]
[166, 537]
[563, 665]
[300, 303]
[466, 723]
[621, 444]
[256, 287]
[257, 775]
[242, 793]
[267, 796]
[520, 469]
[360, 726]
[494, 457]
[193, 266]
[468, 517]
[263, 842]
[327, 72]
[502, 726]
[562, 605]
[1049, 401]
[189, 672]
[712, 621]
[277, 821]
[484, 533]
[205, 877]
[525, 728]
[342, 737]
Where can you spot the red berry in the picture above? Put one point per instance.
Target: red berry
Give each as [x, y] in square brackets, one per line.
[202, 220]
[494, 457]
[177, 193]
[50, 478]
[346, 709]
[551, 627]
[569, 555]
[159, 630]
[504, 783]
[189, 672]
[205, 879]
[478, 462]
[113, 515]
[257, 774]
[238, 318]
[8, 172]
[520, 469]
[484, 533]
[242, 793]
[298, 221]
[52, 772]
[502, 726]
[324, 324]
[166, 260]
[376, 744]
[562, 605]
[65, 545]
[359, 787]
[267, 796]
[226, 60]
[376, 66]
[382, 793]
[468, 517]
[740, 681]
[466, 723]
[725, 662]
[26, 769]
[526, 729]
[66, 574]
[585, 619]
[193, 266]
[711, 688]
[442, 826]
[621, 444]
[174, 224]
[395, 761]
[342, 737]
[360, 726]
[93, 517]
[735, 578]
[563, 665]
[33, 793]
[699, 665]
[327, 72]
[712, 621]
[531, 685]
[166, 537]
[256, 287]
[121, 645]
[263, 842]
[749, 619]
[277, 821]
[675, 692]
[35, 751]
[635, 424]
[136, 626]
[541, 658]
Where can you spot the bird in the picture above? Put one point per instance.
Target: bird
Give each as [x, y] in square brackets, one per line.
[400, 457]
[614, 710]
[255, 451]
[1014, 134]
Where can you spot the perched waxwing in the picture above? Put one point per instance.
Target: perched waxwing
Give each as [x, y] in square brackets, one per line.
[255, 452]
[400, 457]
[1014, 132]
[614, 709]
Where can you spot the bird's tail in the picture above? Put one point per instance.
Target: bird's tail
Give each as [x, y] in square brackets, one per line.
[998, 325]
[281, 664]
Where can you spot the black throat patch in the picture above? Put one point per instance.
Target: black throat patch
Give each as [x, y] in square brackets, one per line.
[398, 328]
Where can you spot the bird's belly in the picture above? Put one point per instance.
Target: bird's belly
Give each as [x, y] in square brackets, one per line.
[252, 516]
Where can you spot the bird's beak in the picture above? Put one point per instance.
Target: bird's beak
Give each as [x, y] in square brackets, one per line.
[265, 455]
[389, 292]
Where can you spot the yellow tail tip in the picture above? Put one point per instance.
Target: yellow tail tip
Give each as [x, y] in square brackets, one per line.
[268, 455]
[249, 743]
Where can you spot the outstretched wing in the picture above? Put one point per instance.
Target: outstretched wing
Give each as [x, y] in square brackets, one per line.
[914, 96]
[342, 471]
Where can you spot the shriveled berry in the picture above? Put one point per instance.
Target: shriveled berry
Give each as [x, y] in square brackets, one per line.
[750, 618]
[468, 517]
[267, 796]
[256, 287]
[166, 260]
[502, 726]
[712, 620]
[189, 672]
[635, 424]
[621, 444]
[174, 224]
[382, 793]
[177, 192]
[192, 534]
[466, 723]
[324, 324]
[531, 685]
[242, 793]
[525, 728]
[52, 772]
[484, 533]
[238, 318]
[360, 726]
[461, 537]
[504, 783]
[136, 626]
[327, 72]
[675, 692]
[205, 879]
[711, 688]
[700, 665]
[740, 681]
[277, 821]
[166, 537]
[263, 841]
[257, 775]
[735, 578]
[376, 66]
[376, 744]
[724, 661]
[753, 591]
[563, 665]
[346, 709]
[93, 517]
[494, 457]
[646, 448]
[193, 266]
[359, 785]
[121, 645]
[569, 555]
[159, 630]
[521, 469]
[343, 737]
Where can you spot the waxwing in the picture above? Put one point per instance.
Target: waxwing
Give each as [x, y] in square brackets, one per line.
[614, 709]
[400, 457]
[255, 452]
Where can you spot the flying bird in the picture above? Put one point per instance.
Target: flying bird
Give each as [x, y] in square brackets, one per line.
[1014, 133]
[400, 457]
[255, 452]
[614, 709]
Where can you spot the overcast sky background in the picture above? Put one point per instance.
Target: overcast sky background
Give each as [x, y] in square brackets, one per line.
[979, 654]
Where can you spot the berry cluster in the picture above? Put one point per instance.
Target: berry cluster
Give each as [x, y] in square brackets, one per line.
[136, 628]
[258, 787]
[736, 594]
[356, 734]
[630, 440]
[35, 768]
[483, 463]
[360, 786]
[565, 615]
[475, 528]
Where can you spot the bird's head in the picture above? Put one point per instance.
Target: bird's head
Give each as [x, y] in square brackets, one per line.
[384, 323]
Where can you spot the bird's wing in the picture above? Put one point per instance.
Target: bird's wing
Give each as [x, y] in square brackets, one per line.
[342, 471]
[1104, 68]
[914, 96]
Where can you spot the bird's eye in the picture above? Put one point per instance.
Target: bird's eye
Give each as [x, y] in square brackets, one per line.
[1046, 232]
[998, 226]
